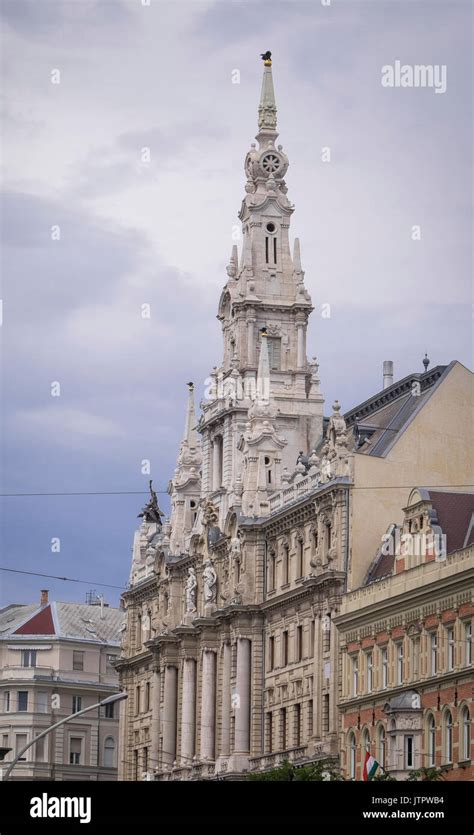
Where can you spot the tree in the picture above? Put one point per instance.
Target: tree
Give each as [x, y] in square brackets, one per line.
[322, 771]
[426, 775]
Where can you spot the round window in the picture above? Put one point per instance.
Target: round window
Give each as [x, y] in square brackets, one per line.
[271, 227]
[270, 163]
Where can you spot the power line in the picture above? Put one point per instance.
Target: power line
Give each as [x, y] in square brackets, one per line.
[67, 579]
[165, 492]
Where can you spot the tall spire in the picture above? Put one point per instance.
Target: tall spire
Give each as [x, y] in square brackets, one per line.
[267, 111]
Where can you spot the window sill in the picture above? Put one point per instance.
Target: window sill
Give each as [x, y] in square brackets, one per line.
[464, 763]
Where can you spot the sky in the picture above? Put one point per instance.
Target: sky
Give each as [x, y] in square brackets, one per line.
[94, 227]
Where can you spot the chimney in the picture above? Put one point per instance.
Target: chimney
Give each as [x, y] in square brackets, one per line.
[387, 373]
[44, 597]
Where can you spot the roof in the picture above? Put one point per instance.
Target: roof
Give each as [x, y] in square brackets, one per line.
[386, 415]
[79, 621]
[453, 512]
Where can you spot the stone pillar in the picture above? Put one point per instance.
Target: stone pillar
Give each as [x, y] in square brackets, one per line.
[208, 705]
[188, 723]
[300, 345]
[242, 708]
[250, 342]
[169, 715]
[226, 701]
[155, 719]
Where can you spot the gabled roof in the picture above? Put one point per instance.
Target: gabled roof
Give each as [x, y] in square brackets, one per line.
[63, 620]
[386, 415]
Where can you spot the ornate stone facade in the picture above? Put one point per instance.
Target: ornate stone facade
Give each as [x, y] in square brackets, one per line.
[230, 655]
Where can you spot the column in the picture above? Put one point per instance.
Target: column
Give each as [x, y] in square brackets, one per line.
[242, 707]
[300, 346]
[226, 701]
[208, 705]
[155, 719]
[250, 342]
[169, 715]
[188, 722]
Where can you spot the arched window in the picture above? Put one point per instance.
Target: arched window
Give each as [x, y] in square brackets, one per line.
[448, 737]
[365, 742]
[352, 752]
[465, 734]
[109, 752]
[431, 729]
[382, 747]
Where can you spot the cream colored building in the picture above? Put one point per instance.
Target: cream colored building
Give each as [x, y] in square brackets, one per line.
[230, 655]
[55, 659]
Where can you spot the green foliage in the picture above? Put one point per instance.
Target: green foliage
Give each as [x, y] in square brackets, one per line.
[286, 772]
[384, 777]
[426, 775]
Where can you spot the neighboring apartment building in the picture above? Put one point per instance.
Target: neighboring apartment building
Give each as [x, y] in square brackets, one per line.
[407, 680]
[230, 655]
[55, 659]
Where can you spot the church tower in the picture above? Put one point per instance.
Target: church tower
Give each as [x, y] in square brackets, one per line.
[264, 294]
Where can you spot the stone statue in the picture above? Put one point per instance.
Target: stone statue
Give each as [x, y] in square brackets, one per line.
[191, 587]
[210, 582]
[151, 512]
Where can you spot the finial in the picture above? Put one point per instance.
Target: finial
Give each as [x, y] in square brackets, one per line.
[267, 58]
[190, 386]
[426, 362]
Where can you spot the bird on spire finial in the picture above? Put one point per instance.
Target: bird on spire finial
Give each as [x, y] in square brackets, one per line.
[267, 58]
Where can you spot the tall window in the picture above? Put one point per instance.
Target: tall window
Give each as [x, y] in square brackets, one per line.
[352, 756]
[448, 737]
[400, 663]
[274, 353]
[77, 660]
[355, 675]
[382, 746]
[145, 760]
[109, 711]
[20, 741]
[76, 704]
[28, 658]
[109, 752]
[384, 663]
[135, 764]
[325, 713]
[299, 552]
[284, 649]
[42, 702]
[450, 640]
[22, 700]
[6, 701]
[370, 672]
[147, 697]
[285, 565]
[328, 536]
[312, 628]
[137, 700]
[468, 643]
[297, 710]
[299, 643]
[365, 742]
[465, 734]
[409, 751]
[269, 732]
[431, 741]
[415, 657]
[271, 653]
[283, 728]
[434, 653]
[310, 718]
[39, 750]
[272, 571]
[75, 750]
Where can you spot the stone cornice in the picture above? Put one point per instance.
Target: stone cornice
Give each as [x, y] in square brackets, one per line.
[432, 682]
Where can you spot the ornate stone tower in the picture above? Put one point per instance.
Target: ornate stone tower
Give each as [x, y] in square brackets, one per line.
[264, 293]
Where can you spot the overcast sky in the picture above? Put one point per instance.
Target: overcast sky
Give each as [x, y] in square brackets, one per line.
[134, 76]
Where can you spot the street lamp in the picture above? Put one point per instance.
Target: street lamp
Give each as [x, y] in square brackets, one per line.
[116, 697]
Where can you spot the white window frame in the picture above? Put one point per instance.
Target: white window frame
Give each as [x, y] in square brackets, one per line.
[384, 666]
[400, 660]
[434, 652]
[451, 648]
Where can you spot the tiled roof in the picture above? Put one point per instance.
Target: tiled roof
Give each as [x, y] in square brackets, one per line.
[64, 620]
[454, 512]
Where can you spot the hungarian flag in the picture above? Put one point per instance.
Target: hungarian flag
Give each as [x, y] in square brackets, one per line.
[370, 767]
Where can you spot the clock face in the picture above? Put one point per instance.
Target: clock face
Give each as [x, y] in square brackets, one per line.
[270, 163]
